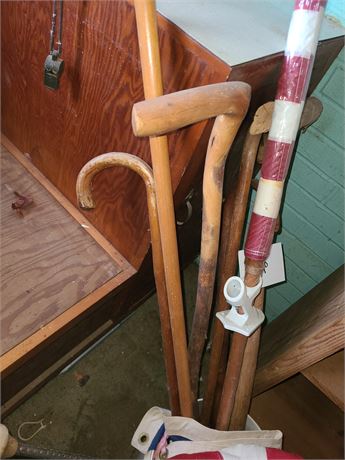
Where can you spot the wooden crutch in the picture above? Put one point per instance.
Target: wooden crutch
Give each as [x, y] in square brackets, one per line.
[229, 103]
[85, 199]
[292, 89]
[145, 12]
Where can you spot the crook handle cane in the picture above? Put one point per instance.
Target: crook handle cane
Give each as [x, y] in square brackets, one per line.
[86, 201]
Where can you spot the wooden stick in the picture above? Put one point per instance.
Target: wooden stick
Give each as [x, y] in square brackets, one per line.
[176, 110]
[232, 227]
[246, 380]
[145, 12]
[85, 198]
[222, 136]
[238, 345]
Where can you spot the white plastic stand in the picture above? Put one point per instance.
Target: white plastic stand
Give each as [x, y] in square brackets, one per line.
[239, 295]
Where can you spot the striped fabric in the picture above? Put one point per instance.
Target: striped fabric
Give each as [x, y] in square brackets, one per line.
[290, 98]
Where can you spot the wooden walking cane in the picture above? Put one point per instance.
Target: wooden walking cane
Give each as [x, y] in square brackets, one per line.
[232, 228]
[85, 199]
[229, 103]
[145, 12]
[292, 88]
[222, 136]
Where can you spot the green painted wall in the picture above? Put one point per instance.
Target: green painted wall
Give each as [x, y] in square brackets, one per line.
[313, 209]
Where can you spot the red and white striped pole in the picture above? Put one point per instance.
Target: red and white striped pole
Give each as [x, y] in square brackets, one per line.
[291, 94]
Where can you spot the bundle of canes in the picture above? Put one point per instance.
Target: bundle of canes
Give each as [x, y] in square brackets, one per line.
[85, 199]
[292, 89]
[166, 115]
[228, 102]
[234, 212]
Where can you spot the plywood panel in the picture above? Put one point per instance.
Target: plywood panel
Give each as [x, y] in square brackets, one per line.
[48, 261]
[91, 112]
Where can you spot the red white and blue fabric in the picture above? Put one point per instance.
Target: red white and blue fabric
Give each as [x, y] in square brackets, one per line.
[289, 102]
[160, 435]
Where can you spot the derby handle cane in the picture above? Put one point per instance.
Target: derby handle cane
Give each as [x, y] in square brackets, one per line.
[289, 103]
[222, 136]
[145, 12]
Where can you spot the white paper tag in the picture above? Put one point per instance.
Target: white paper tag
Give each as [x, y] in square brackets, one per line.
[274, 271]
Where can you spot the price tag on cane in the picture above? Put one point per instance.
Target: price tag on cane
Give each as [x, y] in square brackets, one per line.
[274, 271]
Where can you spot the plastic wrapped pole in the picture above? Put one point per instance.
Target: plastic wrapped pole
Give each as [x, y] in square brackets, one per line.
[289, 102]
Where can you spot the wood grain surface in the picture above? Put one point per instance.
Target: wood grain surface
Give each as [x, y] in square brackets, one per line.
[48, 261]
[309, 331]
[91, 112]
[328, 376]
[312, 425]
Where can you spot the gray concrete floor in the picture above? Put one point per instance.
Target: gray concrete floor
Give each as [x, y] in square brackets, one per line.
[127, 378]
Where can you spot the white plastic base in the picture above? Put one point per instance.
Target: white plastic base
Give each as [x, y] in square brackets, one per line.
[254, 320]
[241, 297]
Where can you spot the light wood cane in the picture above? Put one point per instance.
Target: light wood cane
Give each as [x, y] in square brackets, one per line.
[145, 11]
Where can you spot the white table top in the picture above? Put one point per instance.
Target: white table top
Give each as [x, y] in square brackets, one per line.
[238, 31]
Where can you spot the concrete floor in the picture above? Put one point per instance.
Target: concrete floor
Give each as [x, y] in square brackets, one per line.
[127, 378]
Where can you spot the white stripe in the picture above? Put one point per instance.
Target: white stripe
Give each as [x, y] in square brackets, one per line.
[303, 33]
[285, 121]
[268, 198]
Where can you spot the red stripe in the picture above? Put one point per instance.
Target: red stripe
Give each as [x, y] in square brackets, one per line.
[293, 78]
[259, 238]
[277, 454]
[311, 5]
[276, 160]
[200, 456]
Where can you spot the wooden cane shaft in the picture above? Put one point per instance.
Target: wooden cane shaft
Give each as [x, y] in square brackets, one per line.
[237, 351]
[222, 136]
[232, 227]
[145, 11]
[85, 198]
[246, 380]
[176, 110]
[238, 345]
[162, 296]
[150, 61]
